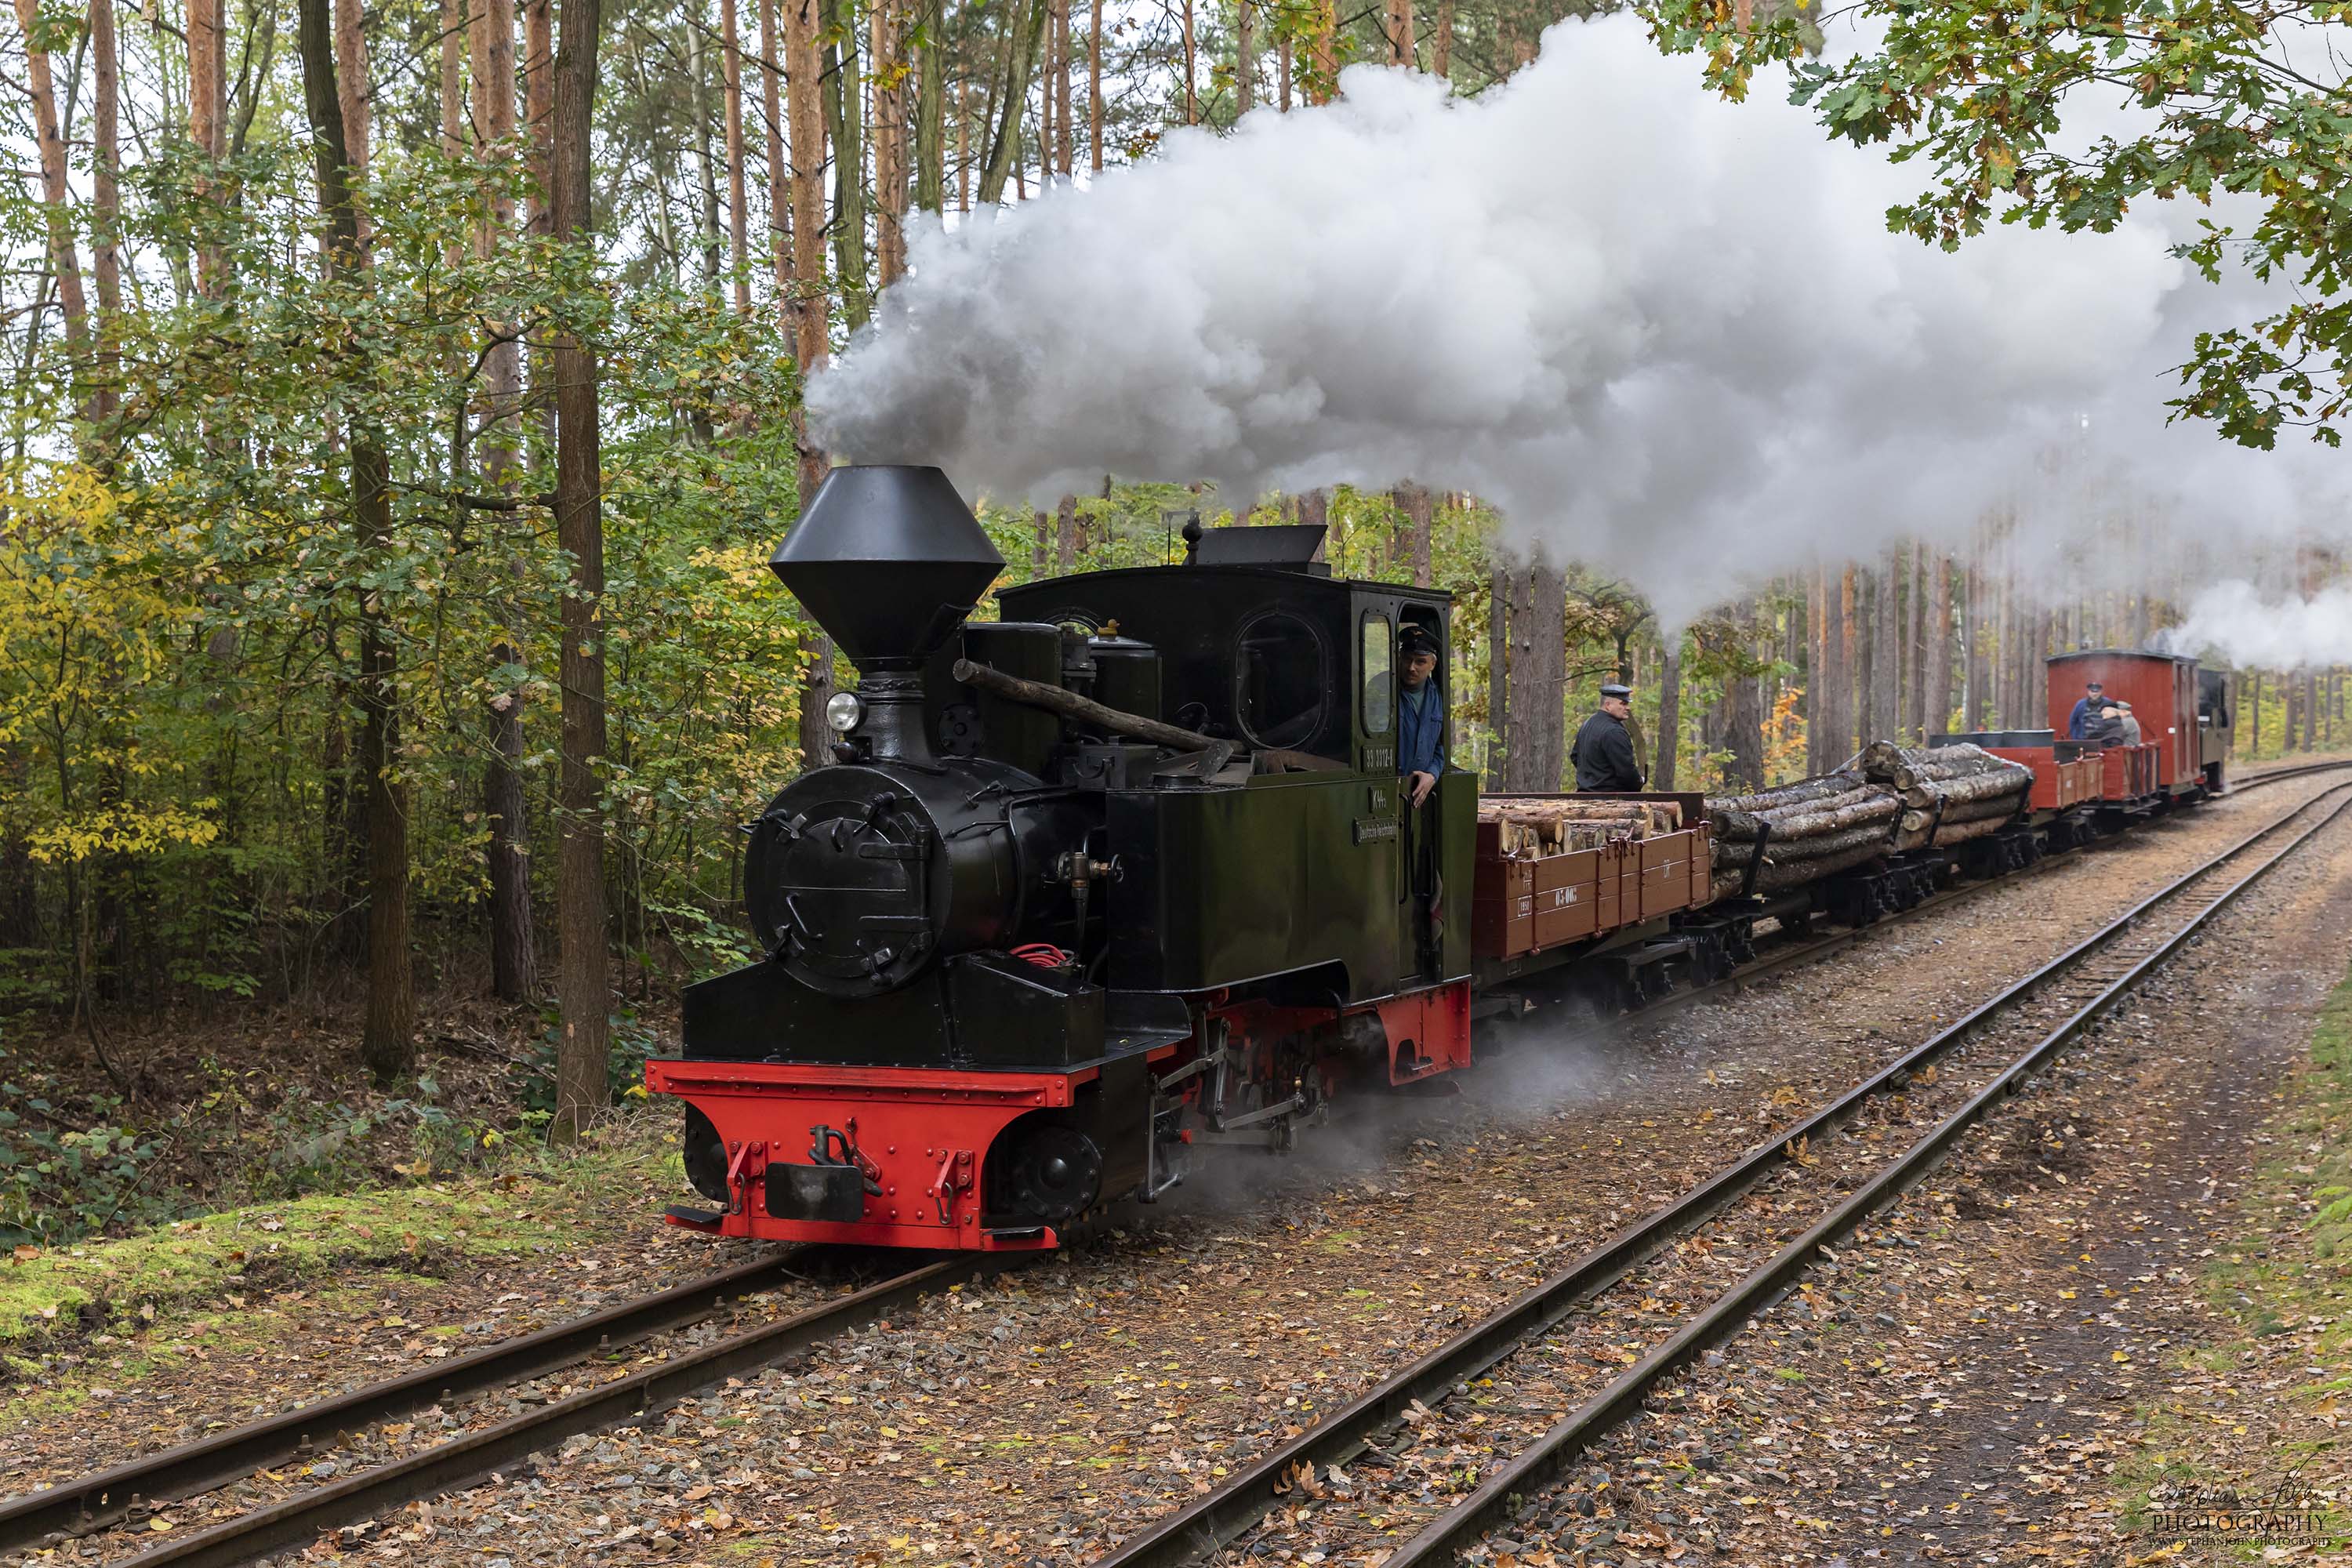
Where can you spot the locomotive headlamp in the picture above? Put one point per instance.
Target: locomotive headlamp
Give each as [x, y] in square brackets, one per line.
[843, 711]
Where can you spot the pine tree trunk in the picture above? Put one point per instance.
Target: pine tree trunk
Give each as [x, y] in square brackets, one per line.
[738, 213]
[1670, 713]
[780, 174]
[1398, 25]
[1327, 52]
[1939, 640]
[706, 166]
[811, 311]
[57, 195]
[1021, 44]
[1191, 90]
[351, 84]
[1535, 740]
[1416, 501]
[1064, 140]
[1816, 671]
[845, 117]
[1441, 48]
[1886, 632]
[387, 1041]
[582, 991]
[1978, 667]
[889, 146]
[106, 207]
[1094, 88]
[1498, 664]
[1744, 711]
[1914, 644]
[1067, 533]
[1244, 58]
[1837, 694]
[1282, 70]
[514, 957]
[811, 304]
[1046, 67]
[1862, 629]
[453, 106]
[207, 121]
[538, 106]
[930, 111]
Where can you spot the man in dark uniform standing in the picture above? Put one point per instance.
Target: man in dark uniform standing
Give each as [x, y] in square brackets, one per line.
[1603, 752]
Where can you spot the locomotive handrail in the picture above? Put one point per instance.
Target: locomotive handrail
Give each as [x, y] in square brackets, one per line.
[1069, 704]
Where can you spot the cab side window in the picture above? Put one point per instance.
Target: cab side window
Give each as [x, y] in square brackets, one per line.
[1380, 679]
[1280, 678]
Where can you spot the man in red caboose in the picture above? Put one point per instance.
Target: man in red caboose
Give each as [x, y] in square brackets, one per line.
[2078, 722]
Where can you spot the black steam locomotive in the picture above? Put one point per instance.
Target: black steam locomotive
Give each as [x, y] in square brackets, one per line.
[1126, 871]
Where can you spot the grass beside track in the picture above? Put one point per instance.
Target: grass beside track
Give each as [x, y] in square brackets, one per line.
[156, 1295]
[2283, 1291]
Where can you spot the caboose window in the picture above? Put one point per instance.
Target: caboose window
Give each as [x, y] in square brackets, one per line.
[1279, 668]
[1380, 690]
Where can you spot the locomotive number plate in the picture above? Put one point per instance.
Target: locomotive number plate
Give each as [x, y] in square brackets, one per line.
[1370, 828]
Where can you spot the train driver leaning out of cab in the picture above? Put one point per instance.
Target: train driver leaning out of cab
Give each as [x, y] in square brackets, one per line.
[1421, 715]
[1603, 752]
[2078, 722]
[2128, 726]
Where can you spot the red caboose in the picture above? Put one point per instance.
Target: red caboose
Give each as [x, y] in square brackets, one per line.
[2162, 689]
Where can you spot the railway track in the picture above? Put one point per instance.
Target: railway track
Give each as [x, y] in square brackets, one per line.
[2276, 776]
[1539, 1337]
[131, 1492]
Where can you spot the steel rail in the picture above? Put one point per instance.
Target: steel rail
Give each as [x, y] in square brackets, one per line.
[94, 1501]
[1198, 1531]
[1446, 1537]
[2277, 775]
[296, 1521]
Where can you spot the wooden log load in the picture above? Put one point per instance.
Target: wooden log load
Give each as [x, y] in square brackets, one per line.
[1950, 793]
[1547, 824]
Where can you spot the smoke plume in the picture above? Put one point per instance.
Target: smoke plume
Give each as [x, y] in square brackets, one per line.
[2233, 622]
[1663, 334]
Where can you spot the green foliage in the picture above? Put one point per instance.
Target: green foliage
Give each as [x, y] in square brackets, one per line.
[178, 600]
[633, 1040]
[57, 1181]
[1993, 98]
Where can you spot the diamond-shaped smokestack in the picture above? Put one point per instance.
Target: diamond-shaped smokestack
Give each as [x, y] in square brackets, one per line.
[888, 559]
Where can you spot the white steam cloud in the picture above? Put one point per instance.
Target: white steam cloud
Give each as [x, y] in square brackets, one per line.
[1663, 334]
[2233, 621]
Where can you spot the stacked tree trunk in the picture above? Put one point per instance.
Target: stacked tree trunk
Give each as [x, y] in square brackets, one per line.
[1549, 824]
[1804, 831]
[1949, 794]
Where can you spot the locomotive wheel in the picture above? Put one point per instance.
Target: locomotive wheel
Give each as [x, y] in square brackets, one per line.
[1056, 1172]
